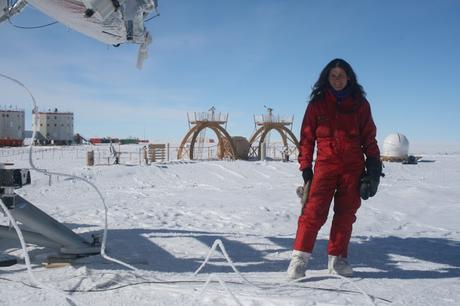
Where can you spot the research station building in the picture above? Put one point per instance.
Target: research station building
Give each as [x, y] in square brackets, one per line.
[12, 124]
[53, 127]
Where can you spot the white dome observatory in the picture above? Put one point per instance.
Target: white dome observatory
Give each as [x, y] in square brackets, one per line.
[396, 146]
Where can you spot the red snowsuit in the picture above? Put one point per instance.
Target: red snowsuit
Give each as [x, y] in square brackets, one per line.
[343, 133]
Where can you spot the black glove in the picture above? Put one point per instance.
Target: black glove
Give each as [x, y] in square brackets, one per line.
[368, 187]
[371, 179]
[307, 175]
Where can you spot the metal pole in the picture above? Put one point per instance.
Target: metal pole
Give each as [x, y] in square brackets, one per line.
[167, 152]
[263, 150]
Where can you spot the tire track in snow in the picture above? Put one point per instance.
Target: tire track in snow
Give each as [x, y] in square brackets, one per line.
[234, 173]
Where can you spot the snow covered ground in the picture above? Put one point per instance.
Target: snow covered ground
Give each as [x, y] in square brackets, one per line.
[164, 218]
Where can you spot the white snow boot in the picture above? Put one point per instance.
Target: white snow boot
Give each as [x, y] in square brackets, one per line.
[298, 265]
[339, 265]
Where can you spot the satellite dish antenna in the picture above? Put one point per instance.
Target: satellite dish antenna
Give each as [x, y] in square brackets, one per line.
[109, 21]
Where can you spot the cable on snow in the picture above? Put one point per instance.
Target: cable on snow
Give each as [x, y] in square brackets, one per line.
[218, 243]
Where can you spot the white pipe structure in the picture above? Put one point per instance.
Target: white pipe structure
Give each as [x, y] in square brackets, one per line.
[18, 230]
[32, 165]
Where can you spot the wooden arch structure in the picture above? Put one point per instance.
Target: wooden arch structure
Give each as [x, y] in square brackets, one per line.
[268, 123]
[225, 146]
[259, 137]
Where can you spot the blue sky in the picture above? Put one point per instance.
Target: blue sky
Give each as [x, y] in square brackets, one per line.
[239, 56]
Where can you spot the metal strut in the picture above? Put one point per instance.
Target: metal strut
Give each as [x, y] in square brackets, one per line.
[38, 227]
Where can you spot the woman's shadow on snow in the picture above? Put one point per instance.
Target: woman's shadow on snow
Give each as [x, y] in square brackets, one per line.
[407, 258]
[371, 257]
[161, 250]
[394, 257]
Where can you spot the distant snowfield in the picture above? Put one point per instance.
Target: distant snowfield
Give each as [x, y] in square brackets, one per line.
[164, 218]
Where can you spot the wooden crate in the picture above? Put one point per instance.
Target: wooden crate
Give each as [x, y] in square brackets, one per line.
[157, 152]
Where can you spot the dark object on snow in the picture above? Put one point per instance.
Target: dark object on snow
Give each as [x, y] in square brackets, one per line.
[14, 177]
[411, 160]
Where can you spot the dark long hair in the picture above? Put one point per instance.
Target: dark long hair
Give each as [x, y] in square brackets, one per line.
[322, 84]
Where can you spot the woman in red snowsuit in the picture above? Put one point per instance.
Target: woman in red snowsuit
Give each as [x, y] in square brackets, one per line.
[338, 120]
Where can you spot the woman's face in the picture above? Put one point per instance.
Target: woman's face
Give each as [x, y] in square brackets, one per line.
[338, 78]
